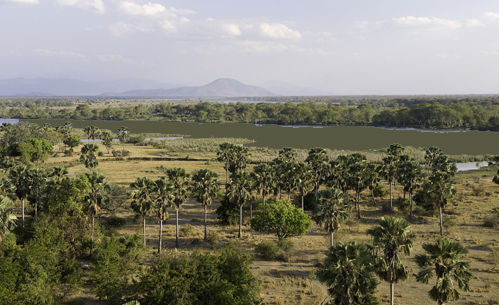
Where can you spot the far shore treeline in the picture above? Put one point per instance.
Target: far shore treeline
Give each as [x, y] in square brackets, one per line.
[455, 112]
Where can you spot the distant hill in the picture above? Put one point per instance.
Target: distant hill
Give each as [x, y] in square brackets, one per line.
[222, 87]
[73, 87]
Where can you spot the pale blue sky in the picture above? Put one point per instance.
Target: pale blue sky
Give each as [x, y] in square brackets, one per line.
[342, 47]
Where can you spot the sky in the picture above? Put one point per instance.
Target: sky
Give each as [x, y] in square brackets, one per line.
[343, 47]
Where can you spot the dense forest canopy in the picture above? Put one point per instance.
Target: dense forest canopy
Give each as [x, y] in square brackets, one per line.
[474, 112]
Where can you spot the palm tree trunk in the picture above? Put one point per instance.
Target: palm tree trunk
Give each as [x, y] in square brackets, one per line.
[251, 209]
[92, 238]
[160, 242]
[372, 195]
[177, 243]
[205, 232]
[226, 174]
[358, 204]
[289, 195]
[36, 208]
[263, 199]
[391, 201]
[302, 203]
[392, 292]
[240, 220]
[331, 240]
[441, 222]
[22, 204]
[144, 227]
[411, 214]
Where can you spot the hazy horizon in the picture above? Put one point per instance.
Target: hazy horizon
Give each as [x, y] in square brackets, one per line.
[386, 47]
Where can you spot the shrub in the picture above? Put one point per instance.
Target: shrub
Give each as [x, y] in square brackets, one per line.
[213, 238]
[380, 191]
[100, 154]
[491, 221]
[268, 250]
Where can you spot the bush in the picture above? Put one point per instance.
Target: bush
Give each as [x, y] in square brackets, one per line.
[380, 191]
[100, 154]
[491, 221]
[268, 250]
[186, 230]
[228, 212]
[213, 238]
[120, 153]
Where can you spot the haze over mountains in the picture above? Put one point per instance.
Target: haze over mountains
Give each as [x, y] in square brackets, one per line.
[222, 87]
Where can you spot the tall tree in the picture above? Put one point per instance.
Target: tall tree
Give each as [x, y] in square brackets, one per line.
[348, 273]
[318, 160]
[19, 178]
[107, 140]
[37, 179]
[305, 181]
[180, 181]
[96, 198]
[205, 188]
[332, 208]
[123, 133]
[390, 172]
[164, 199]
[410, 175]
[441, 184]
[142, 203]
[444, 259]
[391, 238]
[239, 191]
[224, 154]
[262, 175]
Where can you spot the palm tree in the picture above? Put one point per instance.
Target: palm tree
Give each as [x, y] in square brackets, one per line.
[305, 181]
[391, 238]
[441, 183]
[373, 172]
[390, 171]
[395, 150]
[98, 187]
[205, 188]
[431, 154]
[318, 160]
[142, 202]
[123, 134]
[88, 155]
[357, 178]
[92, 132]
[239, 191]
[164, 198]
[262, 175]
[348, 273]
[443, 258]
[7, 218]
[239, 158]
[180, 181]
[37, 180]
[410, 174]
[224, 154]
[331, 209]
[19, 178]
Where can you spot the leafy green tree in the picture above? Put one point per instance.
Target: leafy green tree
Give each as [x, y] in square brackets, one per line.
[117, 259]
[33, 150]
[107, 140]
[180, 181]
[391, 238]
[37, 180]
[283, 219]
[332, 208]
[348, 272]
[239, 191]
[72, 142]
[318, 160]
[205, 188]
[97, 197]
[89, 155]
[143, 203]
[7, 218]
[443, 259]
[222, 278]
[163, 190]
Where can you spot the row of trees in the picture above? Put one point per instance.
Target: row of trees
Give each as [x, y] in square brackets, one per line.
[430, 113]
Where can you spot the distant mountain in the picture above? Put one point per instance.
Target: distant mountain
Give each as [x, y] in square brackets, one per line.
[222, 87]
[287, 89]
[72, 87]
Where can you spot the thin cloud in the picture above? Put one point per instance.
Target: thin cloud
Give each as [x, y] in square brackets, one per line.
[20, 1]
[425, 22]
[491, 16]
[122, 29]
[148, 9]
[90, 5]
[279, 31]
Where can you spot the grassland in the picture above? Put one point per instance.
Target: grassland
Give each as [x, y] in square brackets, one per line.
[292, 281]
